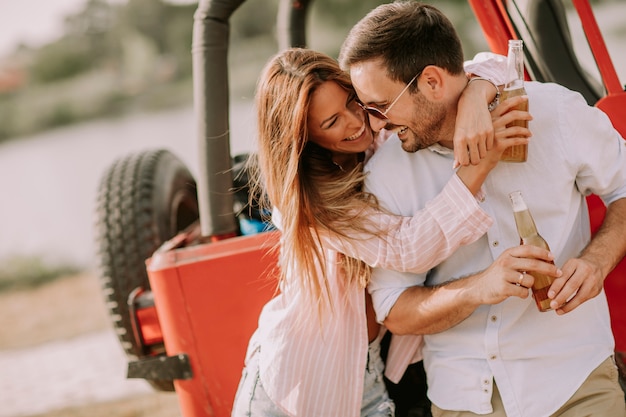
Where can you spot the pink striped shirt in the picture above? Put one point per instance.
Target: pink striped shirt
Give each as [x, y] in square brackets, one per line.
[314, 367]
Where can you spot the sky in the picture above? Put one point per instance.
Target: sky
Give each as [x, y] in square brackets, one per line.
[36, 22]
[33, 21]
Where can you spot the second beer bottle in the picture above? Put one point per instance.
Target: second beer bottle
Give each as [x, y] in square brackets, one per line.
[515, 87]
[529, 235]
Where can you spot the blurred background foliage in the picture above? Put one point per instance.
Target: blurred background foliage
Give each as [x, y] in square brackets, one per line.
[116, 58]
[27, 272]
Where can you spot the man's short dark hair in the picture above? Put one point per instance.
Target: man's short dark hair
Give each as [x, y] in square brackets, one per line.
[406, 36]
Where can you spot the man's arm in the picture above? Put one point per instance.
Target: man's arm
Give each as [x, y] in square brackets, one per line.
[584, 276]
[427, 310]
[599, 152]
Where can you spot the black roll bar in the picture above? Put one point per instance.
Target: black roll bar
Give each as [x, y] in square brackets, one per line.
[209, 51]
[291, 23]
[548, 46]
[211, 34]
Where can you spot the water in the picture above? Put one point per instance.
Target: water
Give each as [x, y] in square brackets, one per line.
[48, 182]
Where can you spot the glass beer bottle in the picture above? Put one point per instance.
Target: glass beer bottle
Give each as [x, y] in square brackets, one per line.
[529, 236]
[515, 87]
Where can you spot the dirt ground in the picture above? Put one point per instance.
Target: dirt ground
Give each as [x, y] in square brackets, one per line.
[152, 405]
[63, 309]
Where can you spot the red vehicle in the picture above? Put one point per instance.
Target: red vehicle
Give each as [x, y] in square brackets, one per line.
[185, 287]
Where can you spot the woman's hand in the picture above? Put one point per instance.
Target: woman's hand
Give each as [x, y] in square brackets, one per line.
[474, 130]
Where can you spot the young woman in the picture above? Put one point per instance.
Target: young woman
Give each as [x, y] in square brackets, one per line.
[316, 350]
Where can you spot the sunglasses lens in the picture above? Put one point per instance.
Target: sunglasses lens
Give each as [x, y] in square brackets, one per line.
[373, 111]
[376, 113]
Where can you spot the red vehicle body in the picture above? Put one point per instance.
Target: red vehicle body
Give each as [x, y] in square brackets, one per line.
[186, 324]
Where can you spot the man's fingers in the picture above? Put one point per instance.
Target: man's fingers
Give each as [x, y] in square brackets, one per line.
[474, 154]
[512, 116]
[508, 104]
[530, 251]
[567, 306]
[461, 157]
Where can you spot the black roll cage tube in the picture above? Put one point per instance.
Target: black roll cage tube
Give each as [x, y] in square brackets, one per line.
[210, 43]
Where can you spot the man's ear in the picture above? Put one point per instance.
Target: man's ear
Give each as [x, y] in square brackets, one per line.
[432, 82]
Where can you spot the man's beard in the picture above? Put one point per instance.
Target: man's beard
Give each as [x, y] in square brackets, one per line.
[428, 124]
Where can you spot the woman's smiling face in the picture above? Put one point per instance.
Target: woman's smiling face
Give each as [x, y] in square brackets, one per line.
[336, 122]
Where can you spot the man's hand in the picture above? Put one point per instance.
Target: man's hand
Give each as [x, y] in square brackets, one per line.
[427, 310]
[502, 116]
[507, 277]
[583, 277]
[473, 176]
[581, 281]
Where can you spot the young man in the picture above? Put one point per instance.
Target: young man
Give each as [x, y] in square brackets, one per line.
[488, 350]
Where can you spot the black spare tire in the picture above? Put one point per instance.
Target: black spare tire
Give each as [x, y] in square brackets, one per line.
[144, 199]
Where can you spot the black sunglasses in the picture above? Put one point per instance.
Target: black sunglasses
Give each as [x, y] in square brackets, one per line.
[382, 115]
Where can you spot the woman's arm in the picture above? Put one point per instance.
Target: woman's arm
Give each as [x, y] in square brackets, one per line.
[453, 218]
[417, 243]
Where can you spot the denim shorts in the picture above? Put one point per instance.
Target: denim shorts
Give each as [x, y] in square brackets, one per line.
[252, 400]
[376, 401]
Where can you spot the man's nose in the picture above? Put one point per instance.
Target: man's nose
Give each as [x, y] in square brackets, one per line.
[376, 123]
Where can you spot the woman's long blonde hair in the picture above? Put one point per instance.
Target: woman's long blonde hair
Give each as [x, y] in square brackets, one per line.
[299, 177]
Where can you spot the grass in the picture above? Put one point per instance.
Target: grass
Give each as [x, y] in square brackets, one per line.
[27, 272]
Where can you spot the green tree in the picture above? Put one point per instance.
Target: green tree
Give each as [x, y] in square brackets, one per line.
[148, 17]
[86, 43]
[60, 60]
